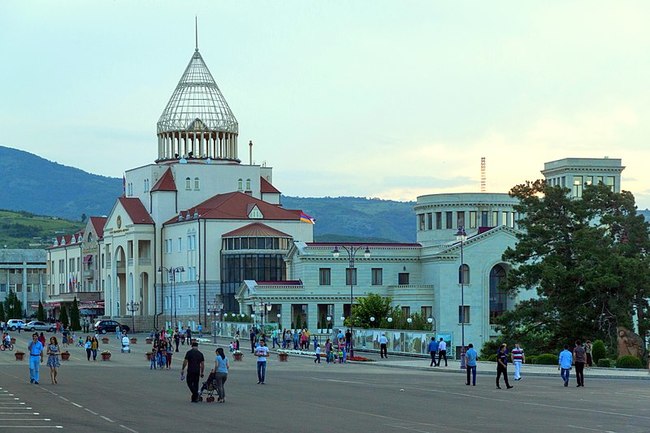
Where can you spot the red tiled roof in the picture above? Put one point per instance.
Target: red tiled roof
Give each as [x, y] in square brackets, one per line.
[98, 224]
[165, 183]
[237, 205]
[267, 188]
[136, 210]
[256, 230]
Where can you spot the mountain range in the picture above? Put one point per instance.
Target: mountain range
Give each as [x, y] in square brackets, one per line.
[41, 187]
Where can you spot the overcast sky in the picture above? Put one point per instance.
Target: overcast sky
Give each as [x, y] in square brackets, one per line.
[389, 99]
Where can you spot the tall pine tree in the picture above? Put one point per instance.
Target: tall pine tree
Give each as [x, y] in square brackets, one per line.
[75, 324]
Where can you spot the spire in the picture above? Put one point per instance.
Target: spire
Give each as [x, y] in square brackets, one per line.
[196, 32]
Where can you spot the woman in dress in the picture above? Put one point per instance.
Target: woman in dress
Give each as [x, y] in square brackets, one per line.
[53, 362]
[221, 367]
[94, 346]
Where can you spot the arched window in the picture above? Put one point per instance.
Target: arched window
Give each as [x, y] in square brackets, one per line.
[463, 274]
[498, 297]
[240, 185]
[197, 183]
[188, 183]
[248, 184]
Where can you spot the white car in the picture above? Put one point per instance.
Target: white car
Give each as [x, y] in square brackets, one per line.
[13, 324]
[36, 325]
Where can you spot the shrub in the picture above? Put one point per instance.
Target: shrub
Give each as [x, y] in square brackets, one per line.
[492, 358]
[489, 348]
[598, 351]
[546, 359]
[604, 362]
[532, 359]
[628, 361]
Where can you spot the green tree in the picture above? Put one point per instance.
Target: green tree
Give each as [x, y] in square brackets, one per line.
[372, 305]
[586, 259]
[3, 316]
[13, 306]
[63, 317]
[40, 314]
[75, 323]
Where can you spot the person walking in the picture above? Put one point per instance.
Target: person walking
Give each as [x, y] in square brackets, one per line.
[252, 336]
[94, 346]
[565, 359]
[502, 365]
[442, 351]
[53, 361]
[579, 360]
[262, 352]
[588, 351]
[88, 346]
[518, 358]
[194, 362]
[221, 367]
[317, 353]
[470, 363]
[383, 346]
[433, 351]
[35, 348]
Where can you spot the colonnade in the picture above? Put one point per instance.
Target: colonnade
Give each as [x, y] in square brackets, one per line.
[201, 144]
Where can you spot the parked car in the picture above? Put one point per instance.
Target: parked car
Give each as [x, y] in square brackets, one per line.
[36, 325]
[13, 324]
[104, 326]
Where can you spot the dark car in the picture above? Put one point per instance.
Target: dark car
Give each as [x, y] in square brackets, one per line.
[104, 326]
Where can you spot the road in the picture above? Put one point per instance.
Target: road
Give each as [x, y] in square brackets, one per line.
[124, 395]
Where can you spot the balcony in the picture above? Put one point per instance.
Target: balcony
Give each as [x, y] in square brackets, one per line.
[89, 274]
[144, 261]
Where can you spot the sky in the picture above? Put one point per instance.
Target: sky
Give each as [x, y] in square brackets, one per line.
[381, 99]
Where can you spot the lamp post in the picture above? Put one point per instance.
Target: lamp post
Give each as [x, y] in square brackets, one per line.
[132, 307]
[352, 252]
[329, 323]
[279, 316]
[432, 321]
[462, 237]
[172, 275]
[214, 308]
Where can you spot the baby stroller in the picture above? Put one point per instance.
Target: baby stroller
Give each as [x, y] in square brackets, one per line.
[209, 387]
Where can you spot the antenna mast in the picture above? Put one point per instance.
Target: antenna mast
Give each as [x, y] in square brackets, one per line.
[483, 179]
[196, 32]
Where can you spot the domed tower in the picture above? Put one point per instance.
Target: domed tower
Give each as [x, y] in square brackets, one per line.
[197, 123]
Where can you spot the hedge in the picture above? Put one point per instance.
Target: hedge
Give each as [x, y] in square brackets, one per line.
[628, 361]
[546, 359]
[604, 362]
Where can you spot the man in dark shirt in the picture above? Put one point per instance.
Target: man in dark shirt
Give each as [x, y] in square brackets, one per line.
[579, 358]
[195, 363]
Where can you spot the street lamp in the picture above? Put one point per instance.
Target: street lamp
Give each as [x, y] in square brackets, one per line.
[352, 252]
[432, 321]
[132, 307]
[172, 275]
[329, 322]
[214, 308]
[462, 237]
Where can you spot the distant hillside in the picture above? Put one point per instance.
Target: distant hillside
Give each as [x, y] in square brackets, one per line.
[36, 185]
[25, 230]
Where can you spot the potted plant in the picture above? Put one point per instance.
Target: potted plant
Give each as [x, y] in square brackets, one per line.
[238, 355]
[283, 355]
[149, 340]
[19, 355]
[65, 355]
[134, 340]
[105, 340]
[106, 355]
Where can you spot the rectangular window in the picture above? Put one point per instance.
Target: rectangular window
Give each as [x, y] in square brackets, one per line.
[438, 220]
[513, 218]
[426, 311]
[485, 216]
[406, 311]
[377, 276]
[463, 314]
[495, 219]
[610, 182]
[504, 218]
[472, 219]
[429, 221]
[449, 220]
[589, 180]
[325, 276]
[421, 225]
[577, 186]
[351, 276]
[403, 278]
[563, 181]
[180, 244]
[460, 219]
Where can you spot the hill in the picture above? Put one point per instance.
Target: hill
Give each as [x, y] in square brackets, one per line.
[25, 230]
[40, 187]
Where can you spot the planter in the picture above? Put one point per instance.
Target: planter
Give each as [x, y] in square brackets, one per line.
[105, 340]
[19, 356]
[134, 340]
[149, 340]
[106, 356]
[65, 356]
[238, 356]
[283, 357]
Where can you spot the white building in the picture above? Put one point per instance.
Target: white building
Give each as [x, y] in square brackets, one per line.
[24, 272]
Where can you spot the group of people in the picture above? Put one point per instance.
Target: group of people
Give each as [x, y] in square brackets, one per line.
[439, 349]
[193, 370]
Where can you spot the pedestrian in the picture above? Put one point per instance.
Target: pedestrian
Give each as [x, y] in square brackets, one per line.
[565, 359]
[199, 328]
[53, 361]
[262, 352]
[194, 363]
[383, 346]
[588, 350]
[118, 333]
[88, 346]
[579, 360]
[317, 353]
[188, 335]
[518, 358]
[35, 348]
[348, 340]
[433, 351]
[169, 351]
[94, 346]
[252, 337]
[41, 338]
[470, 363]
[329, 354]
[152, 359]
[177, 339]
[442, 351]
[502, 365]
[274, 338]
[221, 367]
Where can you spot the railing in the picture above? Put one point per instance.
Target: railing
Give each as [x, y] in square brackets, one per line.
[88, 273]
[144, 261]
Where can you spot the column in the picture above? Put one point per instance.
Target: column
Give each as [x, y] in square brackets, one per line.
[312, 316]
[24, 269]
[337, 323]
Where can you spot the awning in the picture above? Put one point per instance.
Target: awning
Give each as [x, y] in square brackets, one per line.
[88, 258]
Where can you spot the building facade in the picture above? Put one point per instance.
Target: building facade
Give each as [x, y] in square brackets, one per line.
[24, 272]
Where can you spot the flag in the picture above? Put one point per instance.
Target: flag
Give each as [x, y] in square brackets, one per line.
[306, 218]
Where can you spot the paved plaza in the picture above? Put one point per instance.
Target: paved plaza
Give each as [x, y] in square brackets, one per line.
[395, 395]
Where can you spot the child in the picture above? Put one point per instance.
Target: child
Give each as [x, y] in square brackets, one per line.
[152, 366]
[317, 360]
[231, 346]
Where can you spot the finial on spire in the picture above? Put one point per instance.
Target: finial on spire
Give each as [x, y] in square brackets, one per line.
[196, 32]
